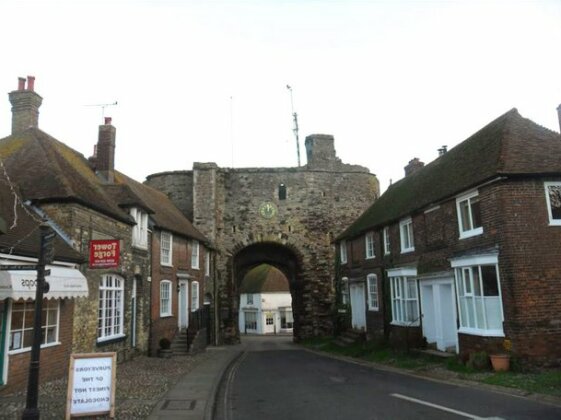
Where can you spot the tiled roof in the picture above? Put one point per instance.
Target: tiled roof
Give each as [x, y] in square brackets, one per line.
[47, 170]
[166, 215]
[510, 145]
[22, 238]
[264, 278]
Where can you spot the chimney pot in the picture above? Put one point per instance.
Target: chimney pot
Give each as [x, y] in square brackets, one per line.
[21, 83]
[107, 120]
[31, 83]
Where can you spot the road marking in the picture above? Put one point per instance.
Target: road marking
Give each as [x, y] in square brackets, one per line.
[440, 407]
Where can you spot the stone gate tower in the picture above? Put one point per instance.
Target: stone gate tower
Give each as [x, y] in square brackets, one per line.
[286, 217]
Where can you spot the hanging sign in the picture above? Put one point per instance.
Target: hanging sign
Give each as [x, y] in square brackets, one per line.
[104, 253]
[91, 385]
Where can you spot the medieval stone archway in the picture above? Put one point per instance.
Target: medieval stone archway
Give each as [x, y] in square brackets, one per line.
[287, 217]
[283, 257]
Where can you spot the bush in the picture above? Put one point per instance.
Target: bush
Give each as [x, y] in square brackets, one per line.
[478, 360]
[165, 344]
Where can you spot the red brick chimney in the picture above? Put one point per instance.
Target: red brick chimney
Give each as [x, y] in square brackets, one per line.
[105, 152]
[25, 105]
[413, 166]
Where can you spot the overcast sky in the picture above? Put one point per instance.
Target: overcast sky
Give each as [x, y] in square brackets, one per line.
[205, 81]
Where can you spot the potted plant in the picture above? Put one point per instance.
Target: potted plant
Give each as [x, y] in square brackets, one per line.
[501, 360]
[165, 348]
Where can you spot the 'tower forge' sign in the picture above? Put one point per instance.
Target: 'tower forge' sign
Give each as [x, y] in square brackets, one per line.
[104, 253]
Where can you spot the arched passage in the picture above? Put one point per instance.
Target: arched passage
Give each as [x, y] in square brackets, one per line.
[282, 257]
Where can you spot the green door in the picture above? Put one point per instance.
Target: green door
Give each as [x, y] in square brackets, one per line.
[3, 328]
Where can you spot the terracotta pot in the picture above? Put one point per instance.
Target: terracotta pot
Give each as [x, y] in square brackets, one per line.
[500, 362]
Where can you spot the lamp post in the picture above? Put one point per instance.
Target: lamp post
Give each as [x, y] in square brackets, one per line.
[46, 255]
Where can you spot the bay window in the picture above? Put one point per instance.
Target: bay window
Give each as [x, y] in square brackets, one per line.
[404, 296]
[479, 295]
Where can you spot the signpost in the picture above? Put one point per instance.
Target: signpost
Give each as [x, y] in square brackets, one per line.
[91, 385]
[46, 255]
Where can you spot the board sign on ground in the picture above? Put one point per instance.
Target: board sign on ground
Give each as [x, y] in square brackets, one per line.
[91, 385]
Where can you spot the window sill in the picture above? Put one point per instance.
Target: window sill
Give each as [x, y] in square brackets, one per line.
[26, 349]
[370, 258]
[471, 233]
[110, 340]
[374, 309]
[482, 333]
[405, 324]
[407, 251]
[166, 315]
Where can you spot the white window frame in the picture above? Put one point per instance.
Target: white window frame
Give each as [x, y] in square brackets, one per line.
[372, 287]
[552, 221]
[369, 245]
[343, 251]
[387, 249]
[112, 327]
[470, 231]
[48, 305]
[286, 313]
[399, 296]
[253, 321]
[194, 296]
[140, 230]
[406, 235]
[207, 262]
[463, 273]
[345, 292]
[166, 248]
[166, 298]
[195, 254]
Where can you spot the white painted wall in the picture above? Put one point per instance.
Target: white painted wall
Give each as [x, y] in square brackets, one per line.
[264, 303]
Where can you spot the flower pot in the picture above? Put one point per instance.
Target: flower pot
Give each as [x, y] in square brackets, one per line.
[500, 362]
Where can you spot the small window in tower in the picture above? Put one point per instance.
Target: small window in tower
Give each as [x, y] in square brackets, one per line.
[282, 192]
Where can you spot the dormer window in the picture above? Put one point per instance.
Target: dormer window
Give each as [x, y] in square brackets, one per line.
[140, 230]
[469, 215]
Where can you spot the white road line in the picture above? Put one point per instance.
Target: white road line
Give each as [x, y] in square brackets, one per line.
[440, 407]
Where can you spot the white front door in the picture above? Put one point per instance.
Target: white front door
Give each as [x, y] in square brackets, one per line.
[358, 306]
[439, 313]
[269, 322]
[183, 305]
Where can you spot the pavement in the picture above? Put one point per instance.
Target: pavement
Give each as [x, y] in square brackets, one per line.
[193, 396]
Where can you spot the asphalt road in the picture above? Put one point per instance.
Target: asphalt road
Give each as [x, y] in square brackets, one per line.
[275, 379]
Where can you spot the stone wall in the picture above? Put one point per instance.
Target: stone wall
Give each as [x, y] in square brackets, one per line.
[238, 208]
[82, 225]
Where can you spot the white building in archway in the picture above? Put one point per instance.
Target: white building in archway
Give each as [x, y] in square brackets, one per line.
[265, 302]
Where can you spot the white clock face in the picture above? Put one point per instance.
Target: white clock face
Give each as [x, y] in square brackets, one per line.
[267, 210]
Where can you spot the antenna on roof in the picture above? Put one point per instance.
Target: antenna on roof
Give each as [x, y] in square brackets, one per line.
[295, 129]
[103, 106]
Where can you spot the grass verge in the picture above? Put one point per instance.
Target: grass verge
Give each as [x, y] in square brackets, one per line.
[542, 382]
